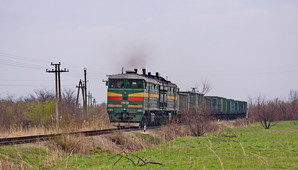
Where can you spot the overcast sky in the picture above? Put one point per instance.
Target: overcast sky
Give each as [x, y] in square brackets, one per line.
[243, 47]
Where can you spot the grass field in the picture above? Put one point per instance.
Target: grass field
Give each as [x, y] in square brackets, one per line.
[250, 147]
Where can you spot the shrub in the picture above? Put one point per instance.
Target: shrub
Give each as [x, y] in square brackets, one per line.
[70, 144]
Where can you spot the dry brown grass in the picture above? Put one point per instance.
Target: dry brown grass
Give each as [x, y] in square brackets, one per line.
[174, 130]
[17, 158]
[227, 124]
[6, 164]
[15, 131]
[121, 142]
[118, 142]
[65, 126]
[242, 122]
[70, 144]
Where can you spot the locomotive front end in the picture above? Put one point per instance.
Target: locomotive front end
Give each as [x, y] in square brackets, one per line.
[125, 98]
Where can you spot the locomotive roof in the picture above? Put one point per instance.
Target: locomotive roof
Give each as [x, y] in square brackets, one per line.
[148, 78]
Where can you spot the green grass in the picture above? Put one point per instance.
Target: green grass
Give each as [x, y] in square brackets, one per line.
[148, 138]
[249, 147]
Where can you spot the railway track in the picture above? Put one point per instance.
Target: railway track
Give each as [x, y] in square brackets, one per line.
[39, 138]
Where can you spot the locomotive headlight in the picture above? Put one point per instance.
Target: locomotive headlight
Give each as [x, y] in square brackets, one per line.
[110, 109]
[139, 110]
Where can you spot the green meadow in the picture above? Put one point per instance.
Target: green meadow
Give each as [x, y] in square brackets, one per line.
[250, 147]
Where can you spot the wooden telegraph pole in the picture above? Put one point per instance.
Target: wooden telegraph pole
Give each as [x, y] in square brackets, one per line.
[83, 87]
[57, 72]
[85, 91]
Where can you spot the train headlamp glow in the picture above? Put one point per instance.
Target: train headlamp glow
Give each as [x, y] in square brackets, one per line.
[139, 110]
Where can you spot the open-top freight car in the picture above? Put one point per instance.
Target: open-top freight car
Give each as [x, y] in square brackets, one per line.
[137, 99]
[223, 108]
[215, 106]
[190, 101]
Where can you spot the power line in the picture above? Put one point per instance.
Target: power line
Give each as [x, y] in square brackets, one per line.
[39, 68]
[29, 85]
[34, 80]
[15, 63]
[8, 55]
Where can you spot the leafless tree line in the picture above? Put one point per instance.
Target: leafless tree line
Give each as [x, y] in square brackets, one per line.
[269, 112]
[39, 110]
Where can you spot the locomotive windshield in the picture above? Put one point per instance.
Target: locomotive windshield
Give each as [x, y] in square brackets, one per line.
[116, 83]
[135, 84]
[126, 83]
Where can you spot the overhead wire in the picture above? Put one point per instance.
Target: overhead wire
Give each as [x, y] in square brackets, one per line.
[21, 57]
[30, 85]
[17, 61]
[13, 65]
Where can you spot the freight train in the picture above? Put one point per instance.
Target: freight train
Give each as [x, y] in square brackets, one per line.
[135, 99]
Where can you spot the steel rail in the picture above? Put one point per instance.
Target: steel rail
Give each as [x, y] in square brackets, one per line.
[39, 138]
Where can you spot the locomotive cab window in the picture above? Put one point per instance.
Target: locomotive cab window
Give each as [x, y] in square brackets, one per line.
[135, 84]
[116, 83]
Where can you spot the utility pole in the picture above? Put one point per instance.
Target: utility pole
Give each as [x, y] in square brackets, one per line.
[94, 102]
[90, 97]
[85, 91]
[88, 101]
[57, 72]
[83, 86]
[80, 87]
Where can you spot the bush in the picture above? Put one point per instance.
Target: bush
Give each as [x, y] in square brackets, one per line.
[198, 122]
[71, 144]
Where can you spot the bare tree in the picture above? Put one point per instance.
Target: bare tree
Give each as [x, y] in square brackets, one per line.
[68, 103]
[198, 123]
[268, 113]
[198, 120]
[41, 95]
[293, 105]
[204, 88]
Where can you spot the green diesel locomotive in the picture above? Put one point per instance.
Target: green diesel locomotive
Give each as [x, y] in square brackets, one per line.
[141, 98]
